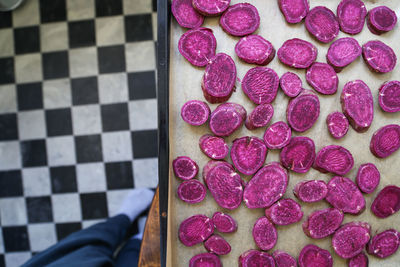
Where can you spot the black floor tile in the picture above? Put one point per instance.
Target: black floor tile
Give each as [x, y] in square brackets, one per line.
[39, 209]
[15, 238]
[55, 65]
[138, 28]
[52, 10]
[119, 175]
[142, 85]
[63, 179]
[11, 184]
[65, 229]
[108, 8]
[81, 33]
[7, 70]
[111, 59]
[154, 5]
[2, 262]
[33, 153]
[144, 144]
[94, 206]
[27, 40]
[30, 96]
[59, 122]
[88, 148]
[115, 117]
[6, 20]
[8, 127]
[85, 91]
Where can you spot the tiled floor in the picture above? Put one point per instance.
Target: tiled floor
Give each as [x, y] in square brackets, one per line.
[77, 116]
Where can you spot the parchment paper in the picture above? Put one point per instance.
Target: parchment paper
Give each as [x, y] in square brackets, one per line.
[185, 85]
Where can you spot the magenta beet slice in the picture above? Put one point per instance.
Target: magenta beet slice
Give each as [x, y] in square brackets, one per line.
[387, 202]
[264, 234]
[368, 177]
[277, 135]
[205, 259]
[351, 15]
[322, 24]
[213, 146]
[385, 141]
[224, 184]
[323, 78]
[291, 84]
[266, 187]
[252, 258]
[224, 223]
[259, 117]
[338, 124]
[227, 118]
[311, 190]
[303, 111]
[240, 19]
[185, 14]
[195, 112]
[261, 84]
[195, 230]
[248, 154]
[294, 11]
[198, 46]
[297, 53]
[254, 49]
[358, 105]
[219, 79]
[361, 260]
[322, 223]
[381, 19]
[217, 244]
[313, 256]
[284, 259]
[384, 244]
[344, 195]
[284, 212]
[350, 239]
[342, 52]
[389, 96]
[379, 56]
[334, 159]
[299, 154]
[185, 168]
[211, 8]
[192, 191]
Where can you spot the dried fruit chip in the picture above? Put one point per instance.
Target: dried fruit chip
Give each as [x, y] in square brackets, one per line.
[264, 234]
[217, 244]
[361, 260]
[284, 212]
[227, 118]
[338, 124]
[387, 202]
[381, 19]
[351, 15]
[224, 223]
[254, 257]
[385, 141]
[259, 117]
[294, 10]
[322, 24]
[192, 191]
[350, 239]
[248, 154]
[368, 178]
[240, 19]
[323, 78]
[389, 96]
[185, 168]
[323, 223]
[213, 146]
[195, 230]
[277, 135]
[384, 244]
[303, 111]
[211, 8]
[311, 190]
[291, 84]
[342, 52]
[299, 154]
[195, 112]
[297, 53]
[185, 14]
[205, 259]
[379, 56]
[261, 84]
[283, 259]
[334, 159]
[313, 256]
[254, 49]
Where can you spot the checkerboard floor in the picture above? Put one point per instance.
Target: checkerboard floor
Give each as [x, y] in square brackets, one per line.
[78, 116]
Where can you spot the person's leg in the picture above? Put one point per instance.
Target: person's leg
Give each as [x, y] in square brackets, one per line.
[129, 254]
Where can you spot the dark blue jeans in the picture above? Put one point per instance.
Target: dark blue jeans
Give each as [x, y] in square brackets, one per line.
[92, 247]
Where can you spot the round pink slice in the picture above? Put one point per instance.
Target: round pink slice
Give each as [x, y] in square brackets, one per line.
[261, 84]
[379, 56]
[284, 259]
[334, 159]
[313, 256]
[385, 141]
[195, 112]
[361, 260]
[284, 212]
[227, 118]
[205, 259]
[387, 202]
[368, 177]
[185, 14]
[342, 52]
[351, 15]
[195, 230]
[297, 53]
[277, 135]
[323, 78]
[211, 8]
[338, 124]
[322, 24]
[224, 223]
[350, 239]
[259, 117]
[185, 168]
[218, 245]
[322, 223]
[254, 49]
[192, 191]
[294, 10]
[382, 19]
[299, 154]
[384, 244]
[264, 234]
[248, 154]
[240, 19]
[389, 96]
[291, 84]
[311, 190]
[213, 146]
[252, 258]
[303, 111]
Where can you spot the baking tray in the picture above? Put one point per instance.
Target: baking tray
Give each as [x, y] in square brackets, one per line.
[178, 82]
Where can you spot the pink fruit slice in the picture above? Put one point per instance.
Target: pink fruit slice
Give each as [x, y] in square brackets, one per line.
[291, 84]
[389, 96]
[266, 187]
[284, 259]
[195, 230]
[264, 234]
[322, 24]
[323, 78]
[297, 53]
[219, 79]
[254, 49]
[259, 117]
[342, 52]
[358, 105]
[379, 56]
[261, 84]
[303, 111]
[252, 258]
[240, 19]
[323, 223]
[224, 184]
[350, 239]
[224, 223]
[385, 141]
[334, 159]
[381, 19]
[384, 244]
[205, 259]
[192, 191]
[351, 15]
[198, 46]
[185, 168]
[248, 154]
[361, 260]
[338, 124]
[311, 190]
[217, 244]
[227, 118]
[387, 202]
[313, 256]
[211, 8]
[344, 195]
[299, 154]
[284, 212]
[277, 135]
[368, 177]
[195, 112]
[294, 11]
[213, 146]
[185, 14]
